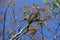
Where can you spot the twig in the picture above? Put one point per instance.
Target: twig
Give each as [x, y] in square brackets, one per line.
[19, 32]
[4, 22]
[42, 31]
[56, 33]
[36, 15]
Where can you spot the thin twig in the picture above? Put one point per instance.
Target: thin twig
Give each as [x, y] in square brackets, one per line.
[42, 30]
[4, 22]
[19, 32]
[36, 15]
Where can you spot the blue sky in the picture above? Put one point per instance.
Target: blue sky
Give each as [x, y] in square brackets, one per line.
[21, 3]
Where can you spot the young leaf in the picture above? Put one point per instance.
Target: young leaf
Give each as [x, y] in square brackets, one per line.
[32, 30]
[33, 38]
[26, 6]
[58, 1]
[35, 6]
[32, 12]
[47, 15]
[54, 5]
[26, 17]
[41, 9]
[43, 37]
[26, 11]
[45, 1]
[1, 18]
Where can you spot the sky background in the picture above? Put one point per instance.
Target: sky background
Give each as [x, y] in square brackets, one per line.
[19, 7]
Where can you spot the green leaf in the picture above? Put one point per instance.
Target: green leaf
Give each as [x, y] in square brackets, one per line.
[45, 1]
[58, 1]
[54, 5]
[26, 11]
